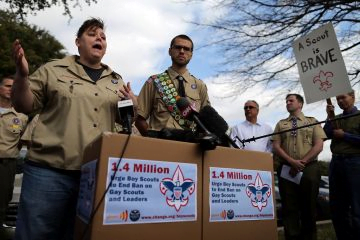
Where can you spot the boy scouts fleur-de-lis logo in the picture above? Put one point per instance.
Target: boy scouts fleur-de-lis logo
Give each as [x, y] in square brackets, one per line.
[323, 80]
[258, 192]
[177, 189]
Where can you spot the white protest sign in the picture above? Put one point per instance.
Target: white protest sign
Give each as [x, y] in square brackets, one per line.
[321, 66]
[240, 194]
[145, 191]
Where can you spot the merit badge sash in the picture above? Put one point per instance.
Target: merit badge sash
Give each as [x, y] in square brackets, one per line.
[167, 91]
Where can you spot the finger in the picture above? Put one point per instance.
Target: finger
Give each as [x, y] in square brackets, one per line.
[128, 86]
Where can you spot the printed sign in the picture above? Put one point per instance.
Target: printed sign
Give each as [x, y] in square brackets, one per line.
[145, 191]
[87, 190]
[239, 194]
[321, 66]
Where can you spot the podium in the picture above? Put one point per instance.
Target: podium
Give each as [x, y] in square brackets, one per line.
[161, 189]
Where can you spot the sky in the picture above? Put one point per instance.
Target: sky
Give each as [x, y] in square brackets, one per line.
[138, 35]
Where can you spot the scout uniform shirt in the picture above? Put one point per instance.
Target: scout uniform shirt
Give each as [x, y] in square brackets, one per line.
[12, 125]
[151, 105]
[297, 146]
[73, 111]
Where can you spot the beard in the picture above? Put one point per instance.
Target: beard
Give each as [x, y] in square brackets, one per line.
[180, 63]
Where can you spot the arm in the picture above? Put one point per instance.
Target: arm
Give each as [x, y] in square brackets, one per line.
[348, 137]
[203, 92]
[328, 129]
[21, 95]
[141, 125]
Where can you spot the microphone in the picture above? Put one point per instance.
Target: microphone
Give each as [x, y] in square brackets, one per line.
[216, 124]
[188, 111]
[126, 111]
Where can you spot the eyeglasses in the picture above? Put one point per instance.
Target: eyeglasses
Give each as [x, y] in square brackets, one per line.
[179, 47]
[248, 107]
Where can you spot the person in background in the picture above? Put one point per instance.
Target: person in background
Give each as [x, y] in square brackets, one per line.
[12, 125]
[298, 149]
[157, 98]
[344, 170]
[251, 127]
[76, 98]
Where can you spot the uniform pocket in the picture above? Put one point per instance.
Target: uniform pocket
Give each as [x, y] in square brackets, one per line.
[69, 87]
[160, 106]
[307, 135]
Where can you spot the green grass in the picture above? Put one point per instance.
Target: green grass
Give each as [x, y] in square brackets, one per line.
[325, 231]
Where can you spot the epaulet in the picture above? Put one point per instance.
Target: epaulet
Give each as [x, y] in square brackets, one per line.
[311, 119]
[116, 75]
[53, 59]
[195, 77]
[152, 78]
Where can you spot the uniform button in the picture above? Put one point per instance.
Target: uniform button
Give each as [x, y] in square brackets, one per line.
[95, 125]
[96, 94]
[95, 109]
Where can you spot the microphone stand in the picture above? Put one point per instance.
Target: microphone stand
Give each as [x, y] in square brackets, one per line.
[243, 141]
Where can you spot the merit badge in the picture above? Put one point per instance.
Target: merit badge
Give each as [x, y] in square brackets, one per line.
[16, 121]
[193, 86]
[114, 81]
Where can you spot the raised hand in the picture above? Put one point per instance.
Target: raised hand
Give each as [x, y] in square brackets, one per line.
[22, 66]
[128, 94]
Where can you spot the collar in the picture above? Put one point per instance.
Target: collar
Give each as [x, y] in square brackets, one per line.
[173, 74]
[10, 110]
[251, 124]
[300, 117]
[70, 62]
[353, 110]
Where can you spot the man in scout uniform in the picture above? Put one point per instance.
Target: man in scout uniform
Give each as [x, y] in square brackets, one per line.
[298, 149]
[12, 125]
[157, 98]
[76, 98]
[344, 171]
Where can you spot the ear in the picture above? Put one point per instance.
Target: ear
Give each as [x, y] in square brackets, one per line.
[169, 51]
[77, 42]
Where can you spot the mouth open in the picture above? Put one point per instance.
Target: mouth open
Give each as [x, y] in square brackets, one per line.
[97, 46]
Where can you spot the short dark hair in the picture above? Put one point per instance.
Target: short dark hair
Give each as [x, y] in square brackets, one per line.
[90, 23]
[182, 36]
[2, 78]
[297, 96]
[253, 101]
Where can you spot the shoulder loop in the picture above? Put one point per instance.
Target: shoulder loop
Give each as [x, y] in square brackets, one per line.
[116, 75]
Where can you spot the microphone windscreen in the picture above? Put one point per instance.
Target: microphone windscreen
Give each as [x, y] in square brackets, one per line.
[186, 108]
[213, 121]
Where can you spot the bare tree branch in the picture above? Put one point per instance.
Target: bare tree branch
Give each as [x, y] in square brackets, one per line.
[255, 37]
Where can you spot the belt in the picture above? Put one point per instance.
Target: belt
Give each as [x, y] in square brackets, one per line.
[7, 160]
[346, 155]
[71, 173]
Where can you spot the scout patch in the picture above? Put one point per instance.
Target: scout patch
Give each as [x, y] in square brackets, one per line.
[16, 122]
[114, 81]
[194, 86]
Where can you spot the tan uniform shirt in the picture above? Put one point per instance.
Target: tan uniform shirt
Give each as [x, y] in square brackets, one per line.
[151, 105]
[297, 147]
[12, 125]
[73, 111]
